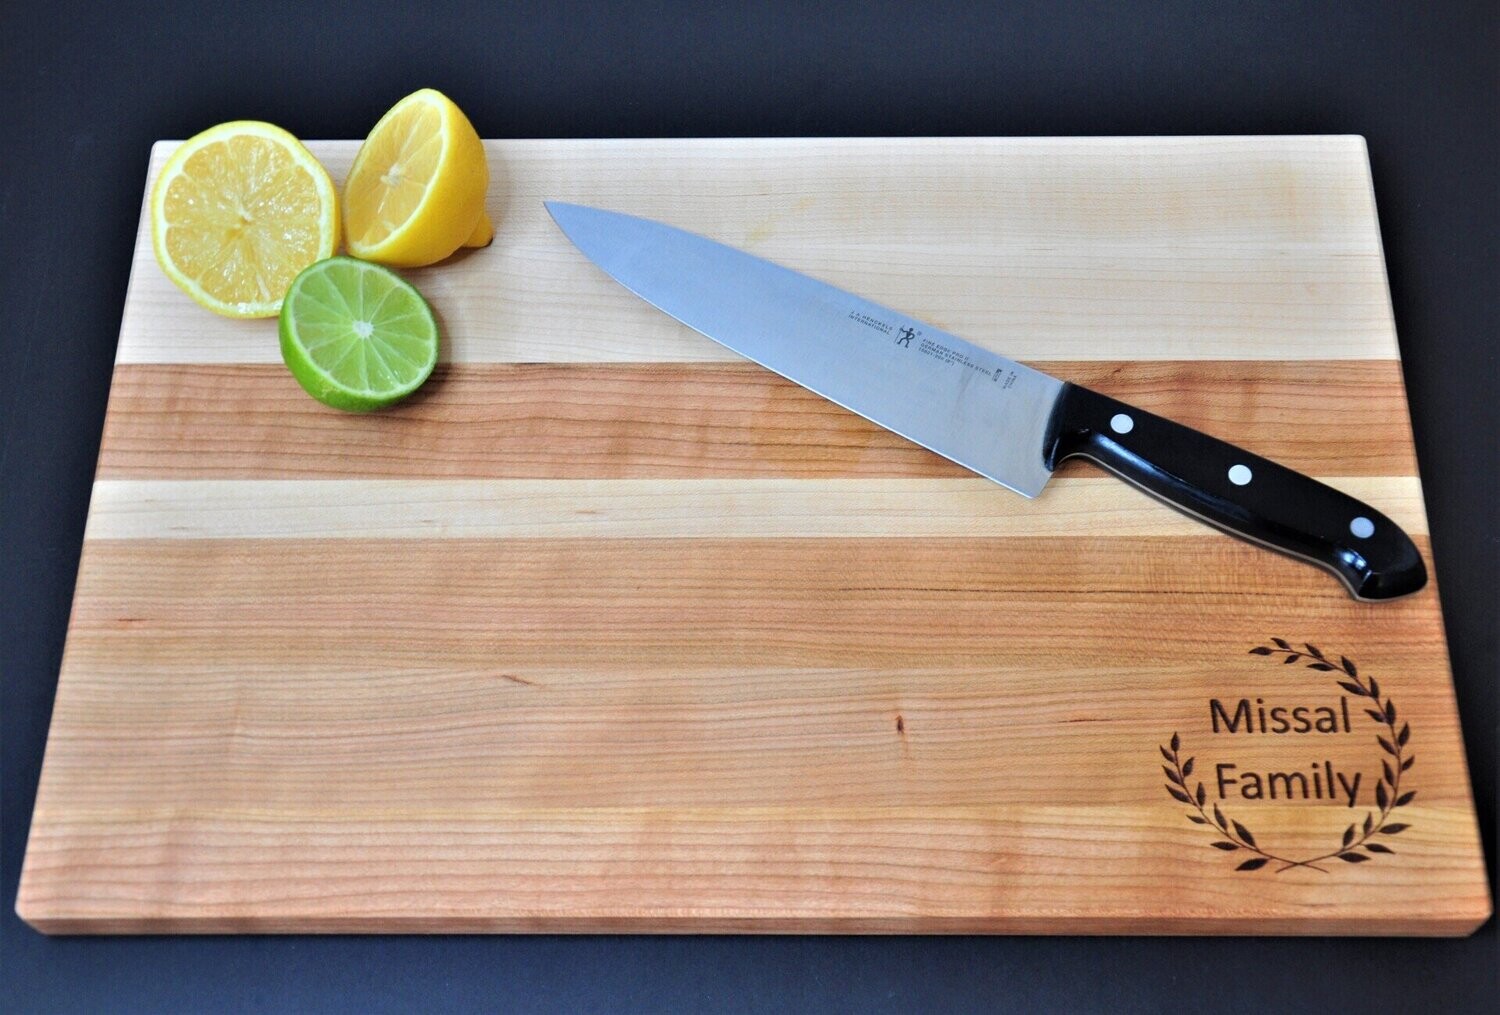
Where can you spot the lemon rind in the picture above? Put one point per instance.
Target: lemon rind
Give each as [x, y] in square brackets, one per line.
[448, 113]
[328, 222]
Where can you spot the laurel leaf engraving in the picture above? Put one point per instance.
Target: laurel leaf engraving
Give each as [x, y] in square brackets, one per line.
[1356, 836]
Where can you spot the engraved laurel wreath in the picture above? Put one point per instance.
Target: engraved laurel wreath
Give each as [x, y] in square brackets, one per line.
[1236, 837]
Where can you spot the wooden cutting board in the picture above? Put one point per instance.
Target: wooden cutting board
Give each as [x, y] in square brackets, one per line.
[606, 630]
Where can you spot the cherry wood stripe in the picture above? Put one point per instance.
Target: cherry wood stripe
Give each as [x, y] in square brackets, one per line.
[524, 603]
[886, 685]
[926, 869]
[581, 735]
[617, 421]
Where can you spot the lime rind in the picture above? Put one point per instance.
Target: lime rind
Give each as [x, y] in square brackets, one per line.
[357, 336]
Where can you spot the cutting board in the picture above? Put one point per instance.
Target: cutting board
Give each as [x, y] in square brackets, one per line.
[607, 630]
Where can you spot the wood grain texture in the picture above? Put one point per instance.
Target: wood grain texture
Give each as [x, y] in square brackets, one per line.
[627, 421]
[655, 508]
[1055, 248]
[605, 631]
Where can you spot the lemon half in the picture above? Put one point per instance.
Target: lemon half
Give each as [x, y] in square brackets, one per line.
[237, 212]
[415, 193]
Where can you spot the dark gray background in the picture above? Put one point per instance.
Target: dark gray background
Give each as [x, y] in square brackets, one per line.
[84, 90]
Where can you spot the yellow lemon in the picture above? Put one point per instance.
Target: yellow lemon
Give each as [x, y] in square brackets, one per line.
[415, 193]
[483, 233]
[237, 212]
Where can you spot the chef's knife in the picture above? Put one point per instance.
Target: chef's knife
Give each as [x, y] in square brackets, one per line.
[1001, 419]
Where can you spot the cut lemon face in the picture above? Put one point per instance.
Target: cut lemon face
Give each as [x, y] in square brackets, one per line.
[237, 212]
[415, 193]
[356, 335]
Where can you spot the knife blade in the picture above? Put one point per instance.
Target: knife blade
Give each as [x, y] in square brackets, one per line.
[999, 418]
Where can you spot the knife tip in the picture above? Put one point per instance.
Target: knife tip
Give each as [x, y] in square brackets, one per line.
[561, 211]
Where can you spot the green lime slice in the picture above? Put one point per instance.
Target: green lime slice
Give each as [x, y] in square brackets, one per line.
[356, 335]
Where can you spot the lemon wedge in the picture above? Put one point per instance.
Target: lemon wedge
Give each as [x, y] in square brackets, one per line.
[415, 193]
[237, 212]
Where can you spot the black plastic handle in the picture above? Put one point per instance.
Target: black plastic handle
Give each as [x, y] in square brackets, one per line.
[1239, 492]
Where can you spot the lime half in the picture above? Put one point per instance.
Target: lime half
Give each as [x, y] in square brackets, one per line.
[356, 335]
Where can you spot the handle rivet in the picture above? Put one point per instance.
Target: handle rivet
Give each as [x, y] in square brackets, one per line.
[1362, 527]
[1240, 475]
[1121, 423]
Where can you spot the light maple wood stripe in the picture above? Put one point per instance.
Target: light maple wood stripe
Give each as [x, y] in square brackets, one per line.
[665, 508]
[1064, 248]
[617, 421]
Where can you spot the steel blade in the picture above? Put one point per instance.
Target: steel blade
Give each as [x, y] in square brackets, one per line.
[983, 411]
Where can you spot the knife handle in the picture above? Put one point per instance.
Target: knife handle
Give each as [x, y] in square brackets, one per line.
[1239, 492]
